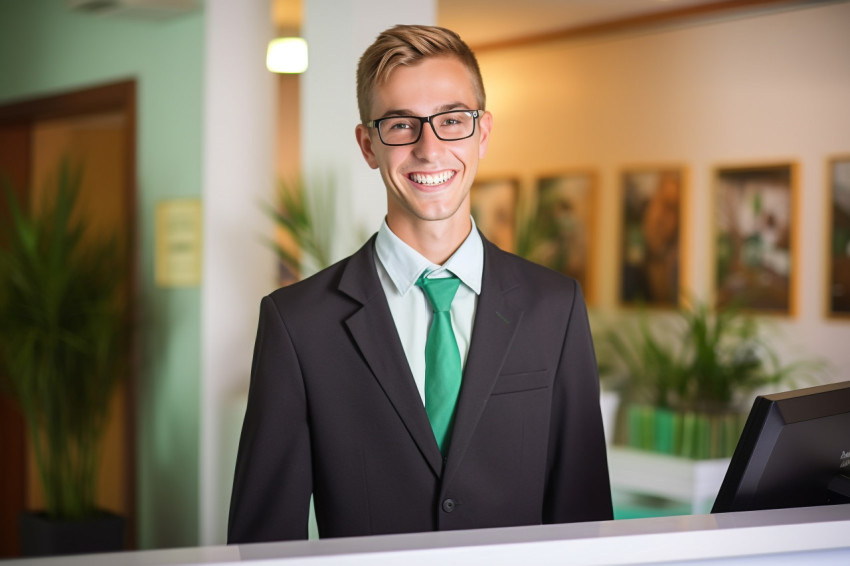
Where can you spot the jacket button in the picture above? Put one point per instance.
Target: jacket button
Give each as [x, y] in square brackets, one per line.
[448, 505]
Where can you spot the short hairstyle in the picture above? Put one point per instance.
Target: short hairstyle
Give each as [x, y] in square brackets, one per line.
[408, 45]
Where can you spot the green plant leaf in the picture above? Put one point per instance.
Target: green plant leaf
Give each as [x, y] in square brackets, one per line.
[305, 211]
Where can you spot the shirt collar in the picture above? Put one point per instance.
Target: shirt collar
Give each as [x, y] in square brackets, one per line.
[404, 265]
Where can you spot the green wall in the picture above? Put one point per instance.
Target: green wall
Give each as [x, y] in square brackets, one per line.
[46, 49]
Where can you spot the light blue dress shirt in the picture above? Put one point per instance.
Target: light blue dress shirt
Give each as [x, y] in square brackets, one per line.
[399, 267]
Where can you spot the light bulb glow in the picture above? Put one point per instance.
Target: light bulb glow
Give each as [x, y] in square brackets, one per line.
[287, 55]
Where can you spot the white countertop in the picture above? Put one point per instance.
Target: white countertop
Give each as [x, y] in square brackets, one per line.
[814, 535]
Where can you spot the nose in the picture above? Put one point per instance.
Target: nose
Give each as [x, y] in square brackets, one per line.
[429, 145]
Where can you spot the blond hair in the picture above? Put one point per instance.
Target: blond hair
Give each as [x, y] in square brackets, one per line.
[408, 45]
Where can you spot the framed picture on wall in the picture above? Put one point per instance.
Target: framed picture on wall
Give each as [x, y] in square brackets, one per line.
[651, 236]
[560, 233]
[838, 220]
[494, 207]
[754, 237]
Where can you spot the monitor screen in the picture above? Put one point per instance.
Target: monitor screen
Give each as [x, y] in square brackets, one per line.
[794, 451]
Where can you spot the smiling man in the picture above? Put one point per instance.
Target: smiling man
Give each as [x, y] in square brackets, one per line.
[431, 381]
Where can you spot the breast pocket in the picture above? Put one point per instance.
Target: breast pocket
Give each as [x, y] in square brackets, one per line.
[518, 382]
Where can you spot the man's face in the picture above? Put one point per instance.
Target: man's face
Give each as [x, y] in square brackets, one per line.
[428, 180]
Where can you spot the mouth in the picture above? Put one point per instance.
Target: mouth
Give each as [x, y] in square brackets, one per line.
[432, 179]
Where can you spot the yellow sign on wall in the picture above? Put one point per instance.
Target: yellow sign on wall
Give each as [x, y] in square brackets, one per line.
[178, 243]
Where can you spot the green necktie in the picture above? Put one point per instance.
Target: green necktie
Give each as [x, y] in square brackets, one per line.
[442, 357]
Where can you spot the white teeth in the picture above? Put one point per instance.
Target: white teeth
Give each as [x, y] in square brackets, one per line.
[432, 179]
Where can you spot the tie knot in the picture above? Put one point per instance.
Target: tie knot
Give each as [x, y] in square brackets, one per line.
[439, 290]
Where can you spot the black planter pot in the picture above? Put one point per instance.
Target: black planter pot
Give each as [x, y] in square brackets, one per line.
[40, 536]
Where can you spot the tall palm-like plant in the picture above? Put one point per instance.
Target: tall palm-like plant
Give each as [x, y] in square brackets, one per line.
[62, 339]
[306, 214]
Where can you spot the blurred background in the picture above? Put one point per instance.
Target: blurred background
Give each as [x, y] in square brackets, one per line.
[685, 152]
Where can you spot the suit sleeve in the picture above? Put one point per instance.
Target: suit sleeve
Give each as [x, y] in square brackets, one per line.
[577, 486]
[272, 483]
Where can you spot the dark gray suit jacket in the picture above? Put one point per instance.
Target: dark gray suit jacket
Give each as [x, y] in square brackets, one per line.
[333, 410]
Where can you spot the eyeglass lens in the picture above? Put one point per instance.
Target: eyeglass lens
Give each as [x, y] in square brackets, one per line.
[448, 126]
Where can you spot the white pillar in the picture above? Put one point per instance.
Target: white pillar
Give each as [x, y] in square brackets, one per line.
[238, 269]
[337, 33]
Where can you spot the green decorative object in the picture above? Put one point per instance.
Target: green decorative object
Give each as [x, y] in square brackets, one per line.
[63, 338]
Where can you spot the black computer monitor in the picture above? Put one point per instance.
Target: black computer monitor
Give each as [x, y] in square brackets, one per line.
[794, 451]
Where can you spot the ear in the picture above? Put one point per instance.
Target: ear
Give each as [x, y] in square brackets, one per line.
[485, 125]
[364, 140]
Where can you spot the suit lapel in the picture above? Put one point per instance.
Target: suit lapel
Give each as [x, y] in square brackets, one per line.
[496, 323]
[373, 330]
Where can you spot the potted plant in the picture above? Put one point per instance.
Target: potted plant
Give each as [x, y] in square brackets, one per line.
[685, 381]
[304, 217]
[62, 346]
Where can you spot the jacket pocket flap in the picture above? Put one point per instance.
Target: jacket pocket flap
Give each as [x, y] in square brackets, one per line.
[525, 381]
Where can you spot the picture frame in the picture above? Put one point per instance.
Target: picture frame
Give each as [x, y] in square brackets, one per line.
[754, 237]
[560, 233]
[651, 235]
[494, 208]
[838, 231]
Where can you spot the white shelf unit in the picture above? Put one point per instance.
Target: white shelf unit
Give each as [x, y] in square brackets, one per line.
[694, 482]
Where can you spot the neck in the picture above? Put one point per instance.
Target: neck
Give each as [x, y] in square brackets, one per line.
[435, 240]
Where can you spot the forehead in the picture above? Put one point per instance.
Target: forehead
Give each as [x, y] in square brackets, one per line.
[425, 87]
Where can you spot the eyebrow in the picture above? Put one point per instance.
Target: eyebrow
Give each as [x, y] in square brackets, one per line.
[442, 108]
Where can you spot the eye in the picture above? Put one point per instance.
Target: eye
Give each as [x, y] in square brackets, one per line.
[454, 119]
[397, 124]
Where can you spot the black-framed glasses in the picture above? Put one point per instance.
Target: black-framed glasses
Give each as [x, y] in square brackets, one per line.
[453, 125]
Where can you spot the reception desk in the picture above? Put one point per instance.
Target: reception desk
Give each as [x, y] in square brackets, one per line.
[816, 535]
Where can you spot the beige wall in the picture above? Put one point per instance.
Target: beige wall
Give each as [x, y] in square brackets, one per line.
[761, 89]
